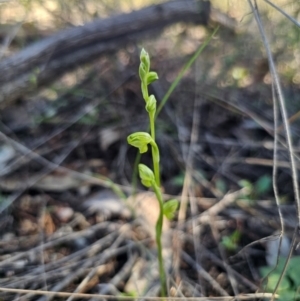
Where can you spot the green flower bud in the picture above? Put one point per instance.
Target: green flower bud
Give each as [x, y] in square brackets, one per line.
[140, 140]
[151, 77]
[170, 207]
[145, 60]
[146, 175]
[151, 104]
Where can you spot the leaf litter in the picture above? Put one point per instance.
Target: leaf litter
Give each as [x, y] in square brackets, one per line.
[63, 233]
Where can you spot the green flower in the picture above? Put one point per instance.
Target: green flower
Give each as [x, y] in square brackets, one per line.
[140, 140]
[146, 175]
[145, 60]
[151, 77]
[151, 104]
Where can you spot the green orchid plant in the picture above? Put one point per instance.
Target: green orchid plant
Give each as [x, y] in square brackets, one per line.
[149, 178]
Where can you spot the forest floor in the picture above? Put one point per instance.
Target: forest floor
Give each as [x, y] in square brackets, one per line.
[69, 221]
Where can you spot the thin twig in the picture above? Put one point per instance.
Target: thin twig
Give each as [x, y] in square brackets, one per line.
[39, 176]
[109, 226]
[281, 100]
[77, 175]
[284, 13]
[79, 272]
[93, 272]
[202, 273]
[216, 236]
[275, 169]
[56, 269]
[100, 297]
[227, 200]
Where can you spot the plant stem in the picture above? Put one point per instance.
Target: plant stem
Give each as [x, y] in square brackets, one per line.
[158, 228]
[152, 133]
[159, 223]
[152, 125]
[146, 78]
[155, 150]
[156, 171]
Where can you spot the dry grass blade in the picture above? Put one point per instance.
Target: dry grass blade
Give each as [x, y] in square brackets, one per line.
[226, 201]
[282, 105]
[230, 276]
[281, 100]
[100, 297]
[76, 256]
[283, 12]
[202, 273]
[93, 271]
[23, 159]
[51, 165]
[96, 260]
[58, 240]
[208, 254]
[40, 175]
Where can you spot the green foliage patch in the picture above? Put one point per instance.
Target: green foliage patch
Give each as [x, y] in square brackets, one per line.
[290, 283]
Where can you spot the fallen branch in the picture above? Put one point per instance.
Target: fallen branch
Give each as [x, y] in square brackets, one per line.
[45, 60]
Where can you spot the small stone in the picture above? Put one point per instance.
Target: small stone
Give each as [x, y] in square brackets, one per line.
[64, 214]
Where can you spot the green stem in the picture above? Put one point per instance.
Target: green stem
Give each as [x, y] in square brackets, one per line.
[155, 151]
[156, 185]
[145, 91]
[158, 228]
[155, 159]
[152, 125]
